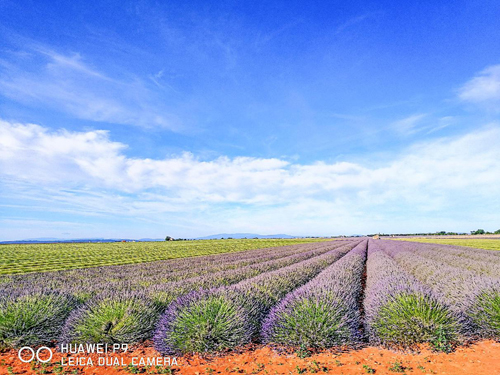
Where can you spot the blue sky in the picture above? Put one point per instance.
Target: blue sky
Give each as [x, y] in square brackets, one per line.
[142, 119]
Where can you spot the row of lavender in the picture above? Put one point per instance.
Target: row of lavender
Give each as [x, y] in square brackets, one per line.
[400, 310]
[325, 312]
[437, 294]
[123, 303]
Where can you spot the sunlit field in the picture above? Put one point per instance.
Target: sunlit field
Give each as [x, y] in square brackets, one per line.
[301, 297]
[24, 258]
[323, 294]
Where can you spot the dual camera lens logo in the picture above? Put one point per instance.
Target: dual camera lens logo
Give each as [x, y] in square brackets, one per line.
[34, 354]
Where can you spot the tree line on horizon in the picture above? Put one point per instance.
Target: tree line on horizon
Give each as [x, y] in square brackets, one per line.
[440, 233]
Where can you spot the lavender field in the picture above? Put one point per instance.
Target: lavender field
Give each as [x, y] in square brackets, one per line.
[342, 293]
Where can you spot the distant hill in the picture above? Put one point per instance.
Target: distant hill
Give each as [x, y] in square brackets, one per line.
[244, 235]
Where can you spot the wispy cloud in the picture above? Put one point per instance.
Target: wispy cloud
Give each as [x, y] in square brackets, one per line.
[441, 123]
[352, 21]
[66, 82]
[90, 174]
[422, 123]
[264, 38]
[483, 89]
[409, 125]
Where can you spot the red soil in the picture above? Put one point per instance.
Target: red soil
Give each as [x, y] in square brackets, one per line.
[482, 358]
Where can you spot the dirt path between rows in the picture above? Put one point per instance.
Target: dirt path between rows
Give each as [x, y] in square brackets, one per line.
[482, 358]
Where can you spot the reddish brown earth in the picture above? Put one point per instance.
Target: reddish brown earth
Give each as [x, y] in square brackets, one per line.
[482, 358]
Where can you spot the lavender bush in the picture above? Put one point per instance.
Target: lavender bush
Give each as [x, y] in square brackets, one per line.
[324, 312]
[401, 311]
[236, 311]
[32, 317]
[112, 318]
[203, 321]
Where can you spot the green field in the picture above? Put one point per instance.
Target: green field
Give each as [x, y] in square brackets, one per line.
[26, 258]
[477, 243]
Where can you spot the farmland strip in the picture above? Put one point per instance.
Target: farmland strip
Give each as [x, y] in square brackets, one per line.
[148, 274]
[41, 257]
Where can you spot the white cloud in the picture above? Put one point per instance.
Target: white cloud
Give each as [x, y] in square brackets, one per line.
[484, 88]
[67, 83]
[88, 173]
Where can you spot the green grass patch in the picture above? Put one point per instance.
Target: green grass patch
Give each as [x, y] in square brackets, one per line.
[26, 258]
